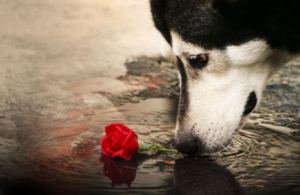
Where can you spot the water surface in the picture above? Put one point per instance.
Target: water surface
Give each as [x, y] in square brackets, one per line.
[259, 161]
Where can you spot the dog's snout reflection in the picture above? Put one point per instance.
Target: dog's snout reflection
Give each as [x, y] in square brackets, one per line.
[203, 176]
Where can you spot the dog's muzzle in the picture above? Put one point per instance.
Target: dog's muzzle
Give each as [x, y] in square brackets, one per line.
[191, 145]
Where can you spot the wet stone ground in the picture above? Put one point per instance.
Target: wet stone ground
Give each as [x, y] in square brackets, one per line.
[53, 149]
[66, 72]
[158, 76]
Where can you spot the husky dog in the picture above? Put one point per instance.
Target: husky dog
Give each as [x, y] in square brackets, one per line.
[226, 51]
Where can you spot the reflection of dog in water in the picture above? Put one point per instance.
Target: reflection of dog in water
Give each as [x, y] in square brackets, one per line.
[226, 52]
[203, 177]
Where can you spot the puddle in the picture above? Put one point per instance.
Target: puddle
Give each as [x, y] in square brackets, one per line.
[259, 161]
[50, 145]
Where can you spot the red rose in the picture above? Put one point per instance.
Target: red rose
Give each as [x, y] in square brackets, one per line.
[119, 141]
[119, 171]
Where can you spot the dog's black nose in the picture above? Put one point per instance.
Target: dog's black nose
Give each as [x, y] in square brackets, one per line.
[251, 103]
[189, 147]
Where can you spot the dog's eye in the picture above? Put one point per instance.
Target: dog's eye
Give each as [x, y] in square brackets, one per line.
[198, 61]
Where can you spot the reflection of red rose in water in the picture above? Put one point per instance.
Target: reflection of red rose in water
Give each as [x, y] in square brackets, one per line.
[119, 171]
[119, 141]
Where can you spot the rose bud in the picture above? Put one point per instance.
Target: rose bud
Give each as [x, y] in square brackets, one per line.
[119, 141]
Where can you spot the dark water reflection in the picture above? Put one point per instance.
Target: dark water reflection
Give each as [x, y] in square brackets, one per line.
[119, 171]
[187, 177]
[203, 177]
[259, 161]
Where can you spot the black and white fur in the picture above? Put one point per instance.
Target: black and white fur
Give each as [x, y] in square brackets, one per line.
[226, 52]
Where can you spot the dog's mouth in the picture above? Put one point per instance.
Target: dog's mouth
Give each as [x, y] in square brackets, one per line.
[198, 145]
[216, 132]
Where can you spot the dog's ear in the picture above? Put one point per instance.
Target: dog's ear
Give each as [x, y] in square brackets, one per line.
[158, 9]
[240, 6]
[226, 4]
[241, 10]
[229, 2]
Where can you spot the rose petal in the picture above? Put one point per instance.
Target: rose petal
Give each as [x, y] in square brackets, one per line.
[109, 146]
[130, 146]
[117, 128]
[119, 141]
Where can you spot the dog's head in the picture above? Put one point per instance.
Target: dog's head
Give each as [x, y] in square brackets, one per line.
[226, 52]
